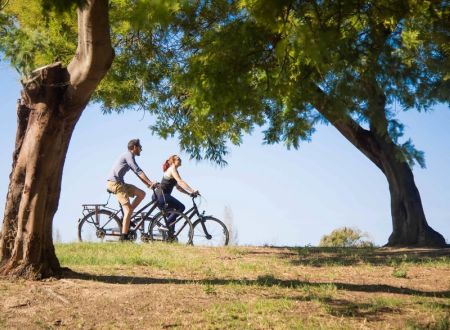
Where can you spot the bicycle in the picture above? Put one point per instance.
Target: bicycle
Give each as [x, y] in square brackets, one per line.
[101, 222]
[208, 230]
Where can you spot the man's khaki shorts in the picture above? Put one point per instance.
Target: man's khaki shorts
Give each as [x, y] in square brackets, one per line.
[123, 191]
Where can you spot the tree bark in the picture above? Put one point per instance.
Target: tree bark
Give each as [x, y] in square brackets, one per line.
[410, 227]
[52, 101]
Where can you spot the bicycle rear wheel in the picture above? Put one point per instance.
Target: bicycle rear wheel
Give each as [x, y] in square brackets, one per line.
[210, 231]
[182, 228]
[99, 226]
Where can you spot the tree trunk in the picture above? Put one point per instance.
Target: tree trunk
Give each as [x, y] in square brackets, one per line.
[43, 134]
[51, 103]
[410, 227]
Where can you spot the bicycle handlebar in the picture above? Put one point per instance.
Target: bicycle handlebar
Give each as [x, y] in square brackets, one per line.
[155, 186]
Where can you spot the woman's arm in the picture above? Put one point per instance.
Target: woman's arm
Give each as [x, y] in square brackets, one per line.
[180, 182]
[181, 189]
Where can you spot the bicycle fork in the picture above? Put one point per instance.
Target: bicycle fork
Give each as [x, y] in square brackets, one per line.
[202, 222]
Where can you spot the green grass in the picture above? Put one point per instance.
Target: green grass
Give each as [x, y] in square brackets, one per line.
[315, 256]
[400, 272]
[257, 314]
[274, 288]
[113, 254]
[210, 289]
[442, 323]
[168, 257]
[346, 308]
[163, 255]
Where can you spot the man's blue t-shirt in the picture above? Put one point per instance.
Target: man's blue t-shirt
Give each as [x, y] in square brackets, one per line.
[122, 166]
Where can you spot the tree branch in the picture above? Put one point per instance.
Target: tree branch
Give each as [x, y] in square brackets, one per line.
[94, 54]
[361, 138]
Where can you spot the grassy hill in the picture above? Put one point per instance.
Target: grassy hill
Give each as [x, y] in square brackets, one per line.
[168, 286]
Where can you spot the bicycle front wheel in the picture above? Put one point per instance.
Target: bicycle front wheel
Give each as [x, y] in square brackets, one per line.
[99, 226]
[209, 231]
[180, 231]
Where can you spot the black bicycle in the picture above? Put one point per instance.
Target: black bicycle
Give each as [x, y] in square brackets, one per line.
[208, 230]
[103, 223]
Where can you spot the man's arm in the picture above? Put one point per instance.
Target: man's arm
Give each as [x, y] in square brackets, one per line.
[141, 175]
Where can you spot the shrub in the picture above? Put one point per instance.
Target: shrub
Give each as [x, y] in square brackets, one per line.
[345, 237]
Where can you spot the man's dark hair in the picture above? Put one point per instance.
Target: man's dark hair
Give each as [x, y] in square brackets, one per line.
[132, 143]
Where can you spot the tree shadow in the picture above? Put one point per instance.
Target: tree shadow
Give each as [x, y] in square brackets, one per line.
[323, 257]
[346, 308]
[266, 281]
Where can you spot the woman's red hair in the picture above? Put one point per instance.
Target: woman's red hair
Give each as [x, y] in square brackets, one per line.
[169, 162]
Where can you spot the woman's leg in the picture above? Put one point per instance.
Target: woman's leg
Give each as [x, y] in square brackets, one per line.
[173, 203]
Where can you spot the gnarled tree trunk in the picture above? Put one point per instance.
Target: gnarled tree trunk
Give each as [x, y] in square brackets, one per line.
[42, 139]
[52, 101]
[410, 227]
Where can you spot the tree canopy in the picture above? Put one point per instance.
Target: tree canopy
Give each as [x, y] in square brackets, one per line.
[274, 63]
[232, 65]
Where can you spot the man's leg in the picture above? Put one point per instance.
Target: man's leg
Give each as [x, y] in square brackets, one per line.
[127, 211]
[140, 195]
[130, 191]
[122, 196]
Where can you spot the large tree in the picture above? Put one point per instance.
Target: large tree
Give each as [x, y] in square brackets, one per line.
[287, 65]
[60, 76]
[50, 104]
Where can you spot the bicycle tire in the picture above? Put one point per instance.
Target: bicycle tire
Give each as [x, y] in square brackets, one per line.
[109, 226]
[183, 232]
[215, 228]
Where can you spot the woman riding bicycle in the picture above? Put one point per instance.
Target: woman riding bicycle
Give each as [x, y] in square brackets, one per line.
[171, 178]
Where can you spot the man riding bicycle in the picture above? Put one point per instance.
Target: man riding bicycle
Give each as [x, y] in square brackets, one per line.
[124, 191]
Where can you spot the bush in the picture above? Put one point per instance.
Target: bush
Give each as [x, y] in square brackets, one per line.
[345, 237]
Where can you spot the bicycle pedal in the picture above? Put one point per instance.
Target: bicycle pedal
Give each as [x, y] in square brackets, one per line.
[163, 228]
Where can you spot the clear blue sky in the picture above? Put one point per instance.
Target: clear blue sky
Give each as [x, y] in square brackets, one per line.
[277, 196]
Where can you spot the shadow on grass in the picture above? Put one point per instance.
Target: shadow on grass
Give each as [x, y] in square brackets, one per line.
[323, 257]
[261, 281]
[345, 308]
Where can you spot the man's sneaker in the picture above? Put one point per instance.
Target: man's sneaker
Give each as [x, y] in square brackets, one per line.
[172, 239]
[125, 237]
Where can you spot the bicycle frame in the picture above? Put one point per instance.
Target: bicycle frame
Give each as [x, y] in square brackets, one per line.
[194, 211]
[140, 223]
[88, 208]
[137, 220]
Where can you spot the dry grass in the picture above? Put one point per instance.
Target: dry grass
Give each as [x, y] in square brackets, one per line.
[136, 286]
